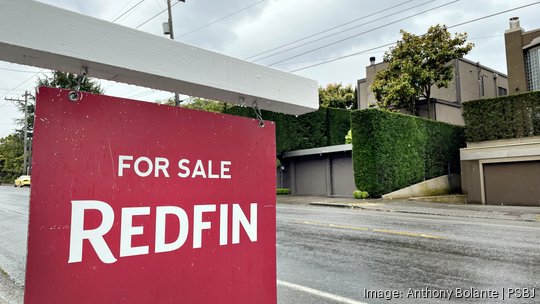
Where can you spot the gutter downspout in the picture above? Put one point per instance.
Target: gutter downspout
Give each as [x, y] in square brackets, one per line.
[458, 82]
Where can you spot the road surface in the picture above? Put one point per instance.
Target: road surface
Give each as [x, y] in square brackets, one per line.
[335, 255]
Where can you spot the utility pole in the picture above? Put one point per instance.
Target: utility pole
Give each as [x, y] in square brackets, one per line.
[25, 140]
[25, 153]
[170, 30]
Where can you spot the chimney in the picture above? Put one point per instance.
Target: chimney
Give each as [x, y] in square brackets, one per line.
[371, 60]
[514, 23]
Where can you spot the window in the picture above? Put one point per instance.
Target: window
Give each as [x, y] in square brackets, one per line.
[502, 91]
[532, 68]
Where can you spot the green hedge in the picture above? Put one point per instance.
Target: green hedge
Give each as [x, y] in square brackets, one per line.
[339, 123]
[503, 117]
[392, 151]
[324, 127]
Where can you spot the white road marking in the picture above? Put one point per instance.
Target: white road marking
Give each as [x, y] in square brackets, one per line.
[318, 293]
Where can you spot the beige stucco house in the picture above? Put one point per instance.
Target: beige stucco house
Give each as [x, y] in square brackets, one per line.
[471, 81]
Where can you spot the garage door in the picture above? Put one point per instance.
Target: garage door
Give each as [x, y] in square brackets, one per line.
[342, 176]
[311, 177]
[516, 183]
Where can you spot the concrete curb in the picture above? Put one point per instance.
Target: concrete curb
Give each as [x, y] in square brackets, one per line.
[445, 199]
[364, 206]
[327, 204]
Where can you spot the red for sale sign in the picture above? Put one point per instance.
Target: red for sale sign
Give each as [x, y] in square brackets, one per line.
[135, 202]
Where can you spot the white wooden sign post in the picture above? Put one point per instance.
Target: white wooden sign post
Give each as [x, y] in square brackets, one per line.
[88, 140]
[45, 36]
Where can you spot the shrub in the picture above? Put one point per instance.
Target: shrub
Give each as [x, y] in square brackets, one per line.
[392, 151]
[360, 194]
[283, 191]
[348, 137]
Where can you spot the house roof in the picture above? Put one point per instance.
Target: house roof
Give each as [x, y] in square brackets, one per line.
[316, 151]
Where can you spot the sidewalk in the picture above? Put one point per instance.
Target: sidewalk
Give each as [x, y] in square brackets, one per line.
[415, 207]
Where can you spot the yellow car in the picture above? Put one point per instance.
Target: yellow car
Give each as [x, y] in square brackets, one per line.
[23, 180]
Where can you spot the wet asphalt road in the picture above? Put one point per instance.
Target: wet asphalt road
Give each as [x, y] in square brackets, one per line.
[13, 230]
[346, 252]
[333, 255]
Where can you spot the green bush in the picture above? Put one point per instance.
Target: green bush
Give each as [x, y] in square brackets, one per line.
[348, 137]
[360, 194]
[392, 151]
[283, 191]
[503, 117]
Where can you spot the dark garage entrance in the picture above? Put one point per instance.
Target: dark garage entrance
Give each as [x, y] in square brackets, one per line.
[320, 171]
[515, 183]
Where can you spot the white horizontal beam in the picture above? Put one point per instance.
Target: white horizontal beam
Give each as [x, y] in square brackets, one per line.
[45, 36]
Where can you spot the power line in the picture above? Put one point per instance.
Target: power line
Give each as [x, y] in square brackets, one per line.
[123, 7]
[153, 17]
[129, 10]
[313, 60]
[36, 73]
[201, 27]
[6, 104]
[356, 35]
[485, 37]
[495, 14]
[327, 30]
[142, 94]
[22, 83]
[15, 70]
[159, 4]
[346, 30]
[392, 43]
[223, 18]
[140, 24]
[342, 57]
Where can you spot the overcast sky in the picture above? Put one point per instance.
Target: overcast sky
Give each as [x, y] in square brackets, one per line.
[245, 28]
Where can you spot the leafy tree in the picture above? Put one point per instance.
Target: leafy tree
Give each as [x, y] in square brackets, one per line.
[336, 95]
[206, 105]
[69, 81]
[416, 64]
[200, 104]
[11, 157]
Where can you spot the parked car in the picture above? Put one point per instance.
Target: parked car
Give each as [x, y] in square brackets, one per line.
[23, 180]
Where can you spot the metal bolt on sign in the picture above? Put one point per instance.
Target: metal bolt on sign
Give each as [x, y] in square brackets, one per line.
[75, 95]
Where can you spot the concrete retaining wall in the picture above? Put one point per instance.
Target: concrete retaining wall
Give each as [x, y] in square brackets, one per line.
[437, 186]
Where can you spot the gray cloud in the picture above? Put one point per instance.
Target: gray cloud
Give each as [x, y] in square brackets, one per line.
[276, 22]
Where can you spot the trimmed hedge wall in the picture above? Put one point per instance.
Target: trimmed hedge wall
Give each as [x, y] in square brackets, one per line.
[392, 151]
[338, 124]
[324, 127]
[503, 117]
